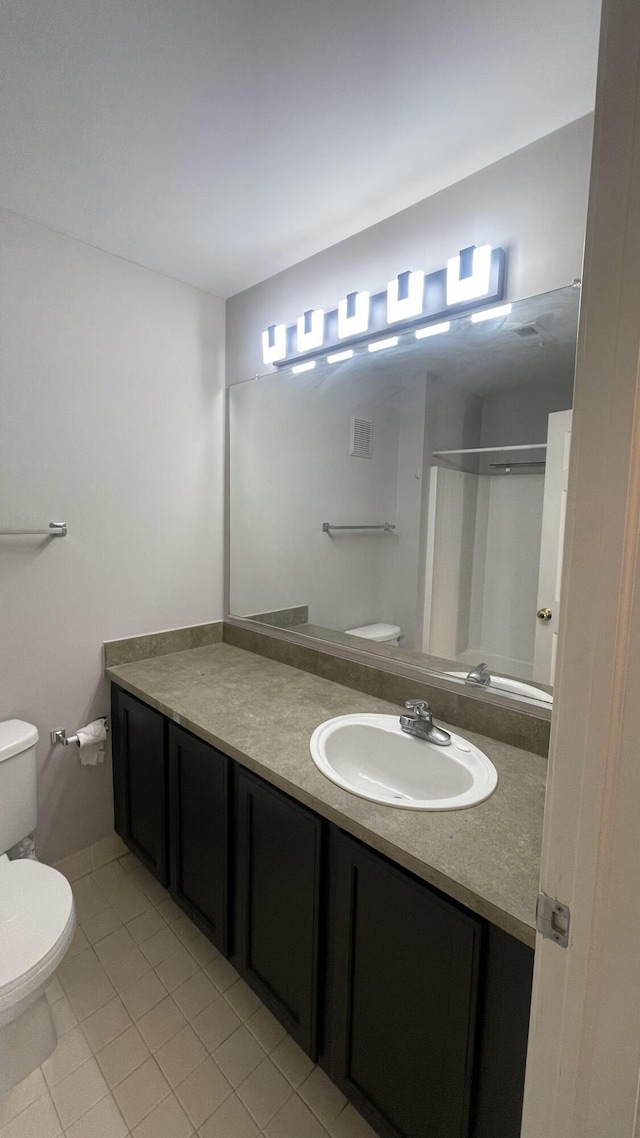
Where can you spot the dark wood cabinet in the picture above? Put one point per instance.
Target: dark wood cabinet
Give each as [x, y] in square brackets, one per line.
[140, 781]
[417, 1008]
[199, 806]
[405, 980]
[278, 903]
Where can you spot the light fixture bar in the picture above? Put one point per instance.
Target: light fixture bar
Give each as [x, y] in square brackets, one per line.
[338, 357]
[380, 345]
[490, 313]
[299, 368]
[432, 330]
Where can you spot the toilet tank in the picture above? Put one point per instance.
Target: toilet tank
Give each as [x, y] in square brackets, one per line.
[18, 793]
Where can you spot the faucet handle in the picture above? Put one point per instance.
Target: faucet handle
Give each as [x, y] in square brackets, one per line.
[420, 706]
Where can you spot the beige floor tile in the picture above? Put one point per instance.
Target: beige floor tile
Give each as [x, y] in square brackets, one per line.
[72, 1051]
[168, 1120]
[231, 1120]
[21, 1096]
[161, 1023]
[148, 883]
[350, 1124]
[98, 927]
[91, 995]
[141, 1092]
[215, 1024]
[195, 994]
[221, 973]
[54, 990]
[180, 1056]
[185, 929]
[76, 1094]
[202, 949]
[125, 972]
[115, 946]
[129, 901]
[122, 1056]
[176, 969]
[102, 1121]
[78, 944]
[82, 969]
[292, 1061]
[128, 861]
[243, 1001]
[295, 1120]
[106, 1024]
[39, 1120]
[238, 1056]
[143, 995]
[89, 899]
[107, 850]
[161, 945]
[64, 1016]
[266, 1028]
[324, 1098]
[203, 1091]
[144, 926]
[76, 865]
[169, 910]
[264, 1092]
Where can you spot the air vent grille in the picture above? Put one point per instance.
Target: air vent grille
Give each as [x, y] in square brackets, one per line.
[361, 438]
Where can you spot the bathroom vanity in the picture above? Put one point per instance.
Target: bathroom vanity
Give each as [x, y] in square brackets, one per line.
[394, 946]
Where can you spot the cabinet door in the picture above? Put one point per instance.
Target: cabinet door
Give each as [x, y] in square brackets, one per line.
[278, 904]
[198, 779]
[140, 781]
[404, 993]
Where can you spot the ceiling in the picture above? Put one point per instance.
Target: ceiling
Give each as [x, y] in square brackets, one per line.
[221, 141]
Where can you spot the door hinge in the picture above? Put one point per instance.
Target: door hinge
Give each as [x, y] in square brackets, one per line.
[553, 920]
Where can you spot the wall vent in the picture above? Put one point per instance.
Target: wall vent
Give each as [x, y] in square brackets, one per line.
[361, 438]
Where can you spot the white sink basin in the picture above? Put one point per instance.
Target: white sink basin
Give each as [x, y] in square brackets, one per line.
[372, 757]
[515, 687]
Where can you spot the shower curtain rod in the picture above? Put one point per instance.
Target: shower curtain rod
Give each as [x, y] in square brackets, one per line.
[490, 450]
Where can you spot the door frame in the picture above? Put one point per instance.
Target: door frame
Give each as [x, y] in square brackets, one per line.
[584, 1045]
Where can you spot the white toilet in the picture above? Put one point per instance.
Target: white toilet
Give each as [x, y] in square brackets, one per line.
[381, 633]
[37, 916]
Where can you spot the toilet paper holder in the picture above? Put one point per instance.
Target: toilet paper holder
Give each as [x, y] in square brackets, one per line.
[60, 736]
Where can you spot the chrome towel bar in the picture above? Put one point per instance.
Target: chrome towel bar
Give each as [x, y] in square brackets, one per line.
[56, 529]
[328, 527]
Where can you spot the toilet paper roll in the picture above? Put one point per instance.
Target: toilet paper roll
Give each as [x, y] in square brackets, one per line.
[91, 741]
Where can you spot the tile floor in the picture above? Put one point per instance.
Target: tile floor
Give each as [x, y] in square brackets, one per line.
[160, 1038]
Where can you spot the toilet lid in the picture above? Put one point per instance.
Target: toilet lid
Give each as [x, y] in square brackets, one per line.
[379, 632]
[36, 906]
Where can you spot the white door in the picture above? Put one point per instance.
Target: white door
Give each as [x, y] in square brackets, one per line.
[583, 1071]
[554, 515]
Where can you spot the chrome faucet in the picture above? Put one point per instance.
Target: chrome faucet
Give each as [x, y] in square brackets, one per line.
[479, 675]
[421, 723]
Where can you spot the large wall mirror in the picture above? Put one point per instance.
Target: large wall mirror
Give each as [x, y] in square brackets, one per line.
[410, 501]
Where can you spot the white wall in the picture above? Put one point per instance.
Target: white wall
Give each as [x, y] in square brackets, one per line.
[532, 203]
[290, 470]
[111, 419]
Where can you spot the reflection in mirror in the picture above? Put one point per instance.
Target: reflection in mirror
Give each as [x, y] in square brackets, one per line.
[411, 502]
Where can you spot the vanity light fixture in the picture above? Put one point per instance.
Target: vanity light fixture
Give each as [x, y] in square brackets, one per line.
[299, 368]
[432, 330]
[468, 275]
[380, 345]
[405, 296]
[310, 330]
[338, 357]
[490, 313]
[353, 315]
[274, 343]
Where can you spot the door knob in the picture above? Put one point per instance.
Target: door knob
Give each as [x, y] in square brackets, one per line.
[544, 614]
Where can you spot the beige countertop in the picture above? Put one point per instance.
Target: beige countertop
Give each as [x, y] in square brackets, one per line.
[262, 714]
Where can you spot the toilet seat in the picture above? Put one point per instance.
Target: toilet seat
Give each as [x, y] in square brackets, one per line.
[37, 924]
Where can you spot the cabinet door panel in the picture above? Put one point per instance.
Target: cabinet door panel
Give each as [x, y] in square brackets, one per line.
[198, 775]
[404, 994]
[278, 904]
[139, 777]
